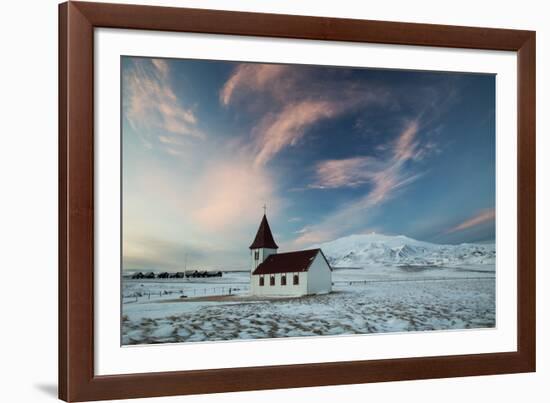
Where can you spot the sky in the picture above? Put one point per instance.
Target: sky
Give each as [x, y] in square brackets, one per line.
[331, 151]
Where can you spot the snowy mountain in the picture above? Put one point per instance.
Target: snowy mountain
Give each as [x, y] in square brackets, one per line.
[376, 249]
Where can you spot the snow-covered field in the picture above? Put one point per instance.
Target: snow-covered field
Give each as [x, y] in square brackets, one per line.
[372, 299]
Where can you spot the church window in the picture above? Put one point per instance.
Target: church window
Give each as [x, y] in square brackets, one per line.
[272, 280]
[296, 280]
[283, 279]
[256, 254]
[261, 281]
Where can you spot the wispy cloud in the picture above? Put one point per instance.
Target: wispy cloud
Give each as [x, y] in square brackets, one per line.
[482, 217]
[252, 77]
[161, 66]
[383, 172]
[295, 103]
[152, 108]
[288, 126]
[349, 172]
[385, 176]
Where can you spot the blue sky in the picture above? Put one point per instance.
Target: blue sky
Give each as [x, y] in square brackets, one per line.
[331, 151]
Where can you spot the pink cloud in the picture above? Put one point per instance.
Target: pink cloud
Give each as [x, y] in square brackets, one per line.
[313, 236]
[161, 66]
[385, 175]
[216, 204]
[292, 103]
[251, 77]
[288, 126]
[482, 217]
[225, 197]
[348, 172]
[151, 105]
[405, 146]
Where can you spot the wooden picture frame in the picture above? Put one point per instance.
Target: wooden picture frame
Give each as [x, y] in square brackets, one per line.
[77, 381]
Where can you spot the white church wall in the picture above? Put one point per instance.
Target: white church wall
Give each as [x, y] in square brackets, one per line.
[280, 290]
[320, 276]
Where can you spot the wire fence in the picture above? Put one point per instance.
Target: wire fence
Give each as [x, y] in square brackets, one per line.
[185, 293]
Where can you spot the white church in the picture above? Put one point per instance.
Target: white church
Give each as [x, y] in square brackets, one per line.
[291, 274]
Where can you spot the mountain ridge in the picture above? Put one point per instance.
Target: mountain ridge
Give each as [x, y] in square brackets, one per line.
[379, 249]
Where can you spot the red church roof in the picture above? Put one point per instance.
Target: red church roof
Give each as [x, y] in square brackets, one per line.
[264, 237]
[288, 262]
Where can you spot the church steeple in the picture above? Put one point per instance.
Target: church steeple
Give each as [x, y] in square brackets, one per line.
[264, 237]
[263, 244]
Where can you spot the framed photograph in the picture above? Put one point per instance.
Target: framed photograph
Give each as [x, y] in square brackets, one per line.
[257, 201]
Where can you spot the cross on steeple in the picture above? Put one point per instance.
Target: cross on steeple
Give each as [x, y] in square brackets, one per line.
[263, 245]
